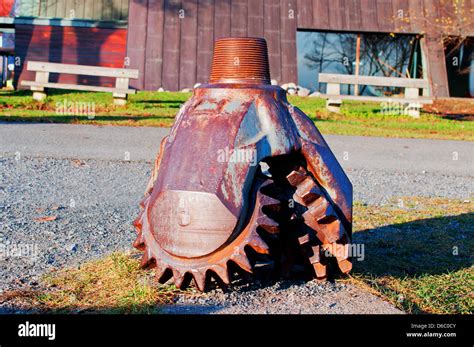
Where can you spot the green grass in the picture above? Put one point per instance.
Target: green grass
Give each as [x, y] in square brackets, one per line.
[418, 256]
[143, 109]
[366, 119]
[159, 109]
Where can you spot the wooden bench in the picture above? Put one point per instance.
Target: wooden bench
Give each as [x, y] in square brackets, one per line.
[411, 86]
[43, 69]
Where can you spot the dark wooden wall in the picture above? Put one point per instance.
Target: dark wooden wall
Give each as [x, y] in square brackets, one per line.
[174, 52]
[69, 45]
[79, 9]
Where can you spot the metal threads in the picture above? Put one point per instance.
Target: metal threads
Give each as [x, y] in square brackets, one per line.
[240, 60]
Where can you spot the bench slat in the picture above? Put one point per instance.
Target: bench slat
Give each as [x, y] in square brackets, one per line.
[374, 80]
[421, 100]
[77, 87]
[72, 69]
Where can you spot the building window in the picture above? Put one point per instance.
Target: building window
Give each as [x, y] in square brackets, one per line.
[460, 66]
[386, 55]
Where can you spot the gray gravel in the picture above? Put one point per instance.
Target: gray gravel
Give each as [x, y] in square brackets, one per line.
[94, 202]
[380, 186]
[284, 298]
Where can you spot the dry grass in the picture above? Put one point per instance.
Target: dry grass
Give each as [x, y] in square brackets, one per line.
[114, 284]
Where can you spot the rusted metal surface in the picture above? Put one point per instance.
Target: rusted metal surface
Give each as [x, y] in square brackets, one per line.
[244, 182]
[240, 60]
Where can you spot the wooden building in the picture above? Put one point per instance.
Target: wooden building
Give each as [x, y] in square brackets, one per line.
[171, 41]
[87, 32]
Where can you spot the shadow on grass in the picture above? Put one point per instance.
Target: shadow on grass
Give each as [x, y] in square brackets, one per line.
[157, 103]
[426, 246]
[16, 93]
[425, 262]
[459, 117]
[50, 92]
[77, 119]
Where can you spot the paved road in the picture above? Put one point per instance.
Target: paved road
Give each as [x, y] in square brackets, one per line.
[141, 143]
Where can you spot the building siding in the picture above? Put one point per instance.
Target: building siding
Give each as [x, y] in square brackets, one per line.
[77, 9]
[177, 52]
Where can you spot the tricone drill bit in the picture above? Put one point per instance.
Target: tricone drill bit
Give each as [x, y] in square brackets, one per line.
[244, 181]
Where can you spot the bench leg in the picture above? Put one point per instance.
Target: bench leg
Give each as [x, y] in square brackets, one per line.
[334, 105]
[413, 110]
[39, 96]
[120, 99]
[39, 93]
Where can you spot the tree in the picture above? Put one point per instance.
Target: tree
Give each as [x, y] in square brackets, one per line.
[452, 20]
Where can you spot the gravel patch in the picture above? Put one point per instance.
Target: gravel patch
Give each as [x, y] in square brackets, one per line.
[92, 204]
[286, 297]
[380, 186]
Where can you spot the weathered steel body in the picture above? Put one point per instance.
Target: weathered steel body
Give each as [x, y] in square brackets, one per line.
[243, 178]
